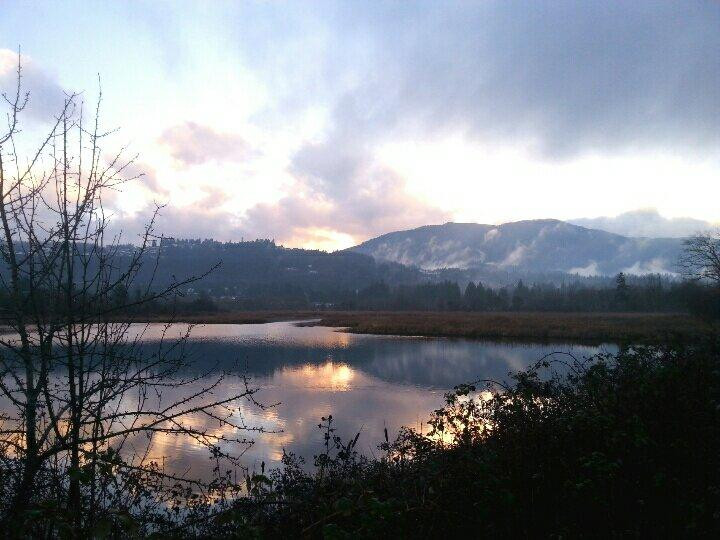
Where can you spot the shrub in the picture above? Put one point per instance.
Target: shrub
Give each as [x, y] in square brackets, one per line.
[623, 445]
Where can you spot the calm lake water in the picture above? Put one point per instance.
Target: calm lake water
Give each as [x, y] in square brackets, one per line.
[366, 382]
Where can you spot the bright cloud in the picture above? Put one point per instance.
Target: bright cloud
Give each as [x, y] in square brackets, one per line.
[324, 124]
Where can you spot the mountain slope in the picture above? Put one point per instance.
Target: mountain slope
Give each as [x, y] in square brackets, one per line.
[546, 245]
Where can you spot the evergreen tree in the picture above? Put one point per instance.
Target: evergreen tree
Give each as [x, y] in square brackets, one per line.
[621, 291]
[470, 296]
[519, 296]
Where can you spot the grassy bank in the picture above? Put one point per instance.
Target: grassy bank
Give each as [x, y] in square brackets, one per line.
[587, 327]
[584, 327]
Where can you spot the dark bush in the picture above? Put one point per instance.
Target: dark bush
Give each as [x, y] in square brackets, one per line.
[624, 445]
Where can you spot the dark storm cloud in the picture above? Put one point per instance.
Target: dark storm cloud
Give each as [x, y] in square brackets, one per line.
[568, 76]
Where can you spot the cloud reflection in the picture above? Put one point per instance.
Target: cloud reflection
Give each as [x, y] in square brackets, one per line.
[367, 383]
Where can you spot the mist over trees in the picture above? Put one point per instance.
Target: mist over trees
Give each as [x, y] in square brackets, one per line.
[643, 294]
[260, 275]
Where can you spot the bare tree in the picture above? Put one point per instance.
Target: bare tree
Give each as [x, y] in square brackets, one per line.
[76, 381]
[700, 260]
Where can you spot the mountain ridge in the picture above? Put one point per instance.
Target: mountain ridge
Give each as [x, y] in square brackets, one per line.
[538, 245]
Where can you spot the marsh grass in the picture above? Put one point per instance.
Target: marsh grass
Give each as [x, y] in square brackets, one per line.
[514, 326]
[542, 327]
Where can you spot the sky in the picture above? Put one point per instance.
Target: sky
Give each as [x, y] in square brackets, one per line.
[323, 124]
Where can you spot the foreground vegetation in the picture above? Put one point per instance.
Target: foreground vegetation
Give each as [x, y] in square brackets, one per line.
[624, 445]
[615, 446]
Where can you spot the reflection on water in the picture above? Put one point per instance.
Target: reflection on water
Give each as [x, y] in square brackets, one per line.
[366, 382]
[330, 375]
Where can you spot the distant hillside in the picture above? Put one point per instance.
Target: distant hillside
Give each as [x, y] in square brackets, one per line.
[263, 269]
[536, 246]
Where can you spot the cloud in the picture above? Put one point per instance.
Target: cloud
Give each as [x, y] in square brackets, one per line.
[381, 205]
[205, 218]
[514, 257]
[146, 176]
[653, 266]
[566, 77]
[562, 78]
[340, 186]
[46, 96]
[491, 235]
[194, 144]
[587, 271]
[198, 221]
[645, 222]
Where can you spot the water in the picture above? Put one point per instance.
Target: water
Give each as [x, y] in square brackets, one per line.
[367, 383]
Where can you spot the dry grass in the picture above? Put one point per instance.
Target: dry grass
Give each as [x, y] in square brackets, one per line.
[586, 327]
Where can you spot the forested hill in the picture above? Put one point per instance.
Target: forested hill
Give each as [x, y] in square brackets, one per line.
[545, 245]
[262, 275]
[273, 275]
[261, 269]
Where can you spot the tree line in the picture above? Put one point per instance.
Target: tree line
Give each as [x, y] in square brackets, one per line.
[648, 294]
[636, 294]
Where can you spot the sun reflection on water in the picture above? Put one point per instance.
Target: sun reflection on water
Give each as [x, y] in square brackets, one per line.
[368, 384]
[333, 376]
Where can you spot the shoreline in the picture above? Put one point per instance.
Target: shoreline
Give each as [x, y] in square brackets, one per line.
[538, 327]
